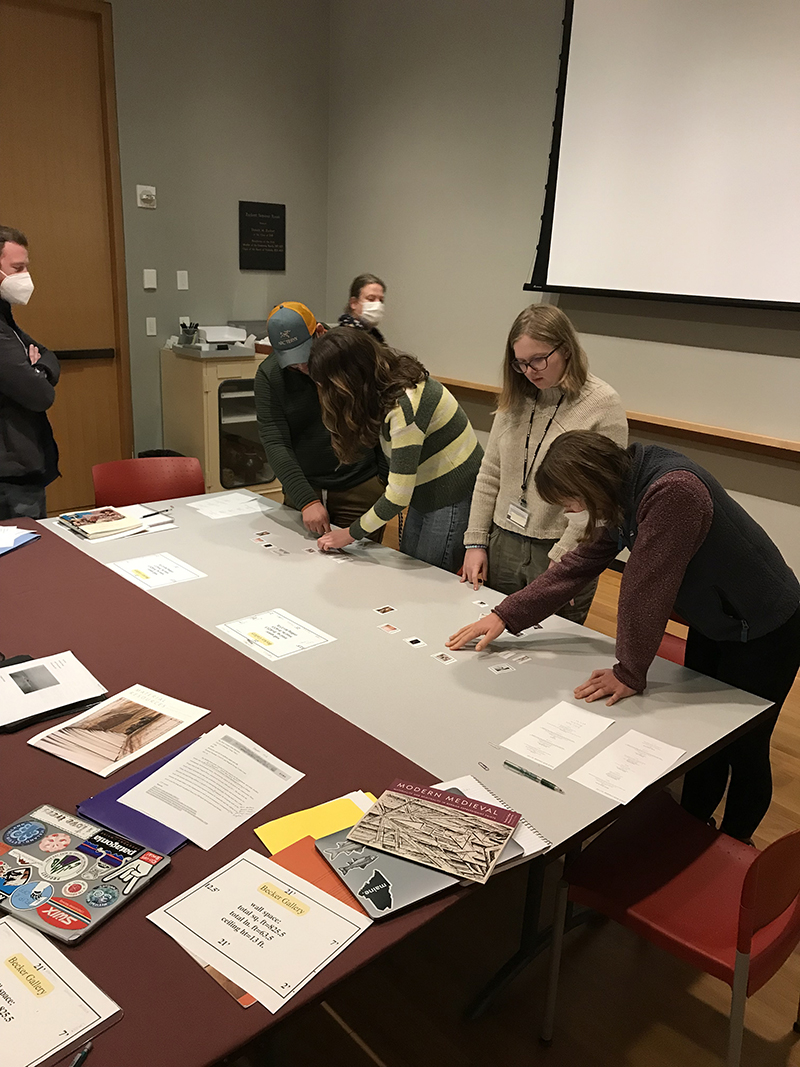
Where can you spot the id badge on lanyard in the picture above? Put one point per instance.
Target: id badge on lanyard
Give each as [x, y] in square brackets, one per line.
[518, 515]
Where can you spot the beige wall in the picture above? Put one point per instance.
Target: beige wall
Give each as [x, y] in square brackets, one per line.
[217, 102]
[440, 134]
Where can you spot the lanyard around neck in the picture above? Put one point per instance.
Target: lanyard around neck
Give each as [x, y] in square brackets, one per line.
[526, 470]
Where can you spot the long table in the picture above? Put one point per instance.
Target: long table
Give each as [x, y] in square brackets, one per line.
[55, 598]
[448, 718]
[352, 714]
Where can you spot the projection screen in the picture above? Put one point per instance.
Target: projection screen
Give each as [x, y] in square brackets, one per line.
[675, 167]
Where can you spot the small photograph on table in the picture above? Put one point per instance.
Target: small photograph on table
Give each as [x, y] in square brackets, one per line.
[32, 679]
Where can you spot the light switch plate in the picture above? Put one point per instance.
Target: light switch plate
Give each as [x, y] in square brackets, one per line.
[150, 279]
[146, 196]
[183, 279]
[151, 327]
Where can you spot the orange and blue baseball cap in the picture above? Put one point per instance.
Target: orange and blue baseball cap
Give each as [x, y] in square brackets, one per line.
[291, 328]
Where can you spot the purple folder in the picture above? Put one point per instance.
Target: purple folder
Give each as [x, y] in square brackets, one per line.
[105, 808]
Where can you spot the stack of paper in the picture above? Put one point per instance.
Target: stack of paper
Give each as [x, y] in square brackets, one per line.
[41, 688]
[14, 536]
[213, 786]
[47, 1007]
[265, 929]
[223, 507]
[119, 730]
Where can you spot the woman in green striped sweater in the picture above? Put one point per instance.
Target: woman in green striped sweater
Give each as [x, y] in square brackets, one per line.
[370, 395]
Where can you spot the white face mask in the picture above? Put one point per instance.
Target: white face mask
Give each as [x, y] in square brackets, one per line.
[371, 312]
[16, 288]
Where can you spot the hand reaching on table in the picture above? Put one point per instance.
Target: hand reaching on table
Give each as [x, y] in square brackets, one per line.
[487, 629]
[334, 539]
[604, 684]
[316, 519]
[476, 567]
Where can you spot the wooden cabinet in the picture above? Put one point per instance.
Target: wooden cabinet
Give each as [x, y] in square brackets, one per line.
[208, 407]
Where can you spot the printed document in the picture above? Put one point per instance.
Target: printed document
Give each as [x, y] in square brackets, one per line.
[211, 787]
[39, 686]
[156, 571]
[558, 734]
[263, 927]
[112, 734]
[48, 1008]
[223, 507]
[627, 766]
[276, 634]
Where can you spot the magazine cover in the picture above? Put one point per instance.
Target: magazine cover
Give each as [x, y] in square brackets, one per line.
[455, 834]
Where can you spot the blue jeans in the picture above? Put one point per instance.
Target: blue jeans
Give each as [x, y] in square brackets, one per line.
[437, 537]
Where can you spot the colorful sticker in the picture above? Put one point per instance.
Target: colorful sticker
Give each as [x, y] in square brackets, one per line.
[102, 895]
[64, 865]
[74, 889]
[62, 820]
[31, 895]
[13, 878]
[25, 860]
[65, 914]
[26, 832]
[55, 842]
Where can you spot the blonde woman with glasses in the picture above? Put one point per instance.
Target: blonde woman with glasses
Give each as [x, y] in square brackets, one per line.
[513, 535]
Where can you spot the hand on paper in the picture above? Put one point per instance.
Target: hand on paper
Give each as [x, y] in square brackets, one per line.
[476, 567]
[316, 519]
[487, 629]
[604, 684]
[334, 539]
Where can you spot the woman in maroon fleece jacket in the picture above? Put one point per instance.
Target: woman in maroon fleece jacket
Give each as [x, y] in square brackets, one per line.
[694, 549]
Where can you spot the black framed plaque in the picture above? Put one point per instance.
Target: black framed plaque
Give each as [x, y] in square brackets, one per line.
[262, 236]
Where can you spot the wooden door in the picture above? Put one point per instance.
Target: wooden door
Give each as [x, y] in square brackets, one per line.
[60, 185]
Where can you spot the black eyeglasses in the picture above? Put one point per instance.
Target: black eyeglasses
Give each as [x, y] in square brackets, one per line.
[537, 363]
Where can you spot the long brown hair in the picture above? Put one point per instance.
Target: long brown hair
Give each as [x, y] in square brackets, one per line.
[548, 324]
[588, 466]
[359, 382]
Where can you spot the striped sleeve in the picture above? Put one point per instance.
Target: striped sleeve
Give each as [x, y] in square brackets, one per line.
[406, 439]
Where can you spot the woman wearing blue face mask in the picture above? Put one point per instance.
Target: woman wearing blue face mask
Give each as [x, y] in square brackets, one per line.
[28, 375]
[365, 305]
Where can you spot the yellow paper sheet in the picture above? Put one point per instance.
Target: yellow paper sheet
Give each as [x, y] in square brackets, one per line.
[315, 822]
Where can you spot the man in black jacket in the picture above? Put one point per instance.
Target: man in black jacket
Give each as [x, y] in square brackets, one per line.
[28, 376]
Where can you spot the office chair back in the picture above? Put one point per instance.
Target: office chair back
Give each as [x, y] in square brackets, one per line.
[137, 481]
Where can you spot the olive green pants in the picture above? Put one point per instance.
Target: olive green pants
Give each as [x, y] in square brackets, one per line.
[515, 560]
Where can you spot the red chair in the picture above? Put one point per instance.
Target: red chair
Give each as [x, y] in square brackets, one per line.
[721, 905]
[138, 481]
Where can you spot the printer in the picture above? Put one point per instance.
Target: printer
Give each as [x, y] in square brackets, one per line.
[212, 342]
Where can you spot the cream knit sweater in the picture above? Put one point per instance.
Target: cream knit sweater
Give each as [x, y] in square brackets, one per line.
[597, 407]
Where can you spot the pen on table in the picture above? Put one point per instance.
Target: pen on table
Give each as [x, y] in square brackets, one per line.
[533, 777]
[81, 1057]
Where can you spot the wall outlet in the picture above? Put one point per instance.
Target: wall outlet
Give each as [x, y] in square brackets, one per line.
[146, 196]
[150, 279]
[150, 327]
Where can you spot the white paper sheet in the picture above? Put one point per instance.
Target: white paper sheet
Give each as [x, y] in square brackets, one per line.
[276, 633]
[223, 507]
[42, 685]
[211, 787]
[529, 839]
[47, 1006]
[156, 571]
[558, 734]
[13, 536]
[627, 766]
[112, 734]
[263, 927]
